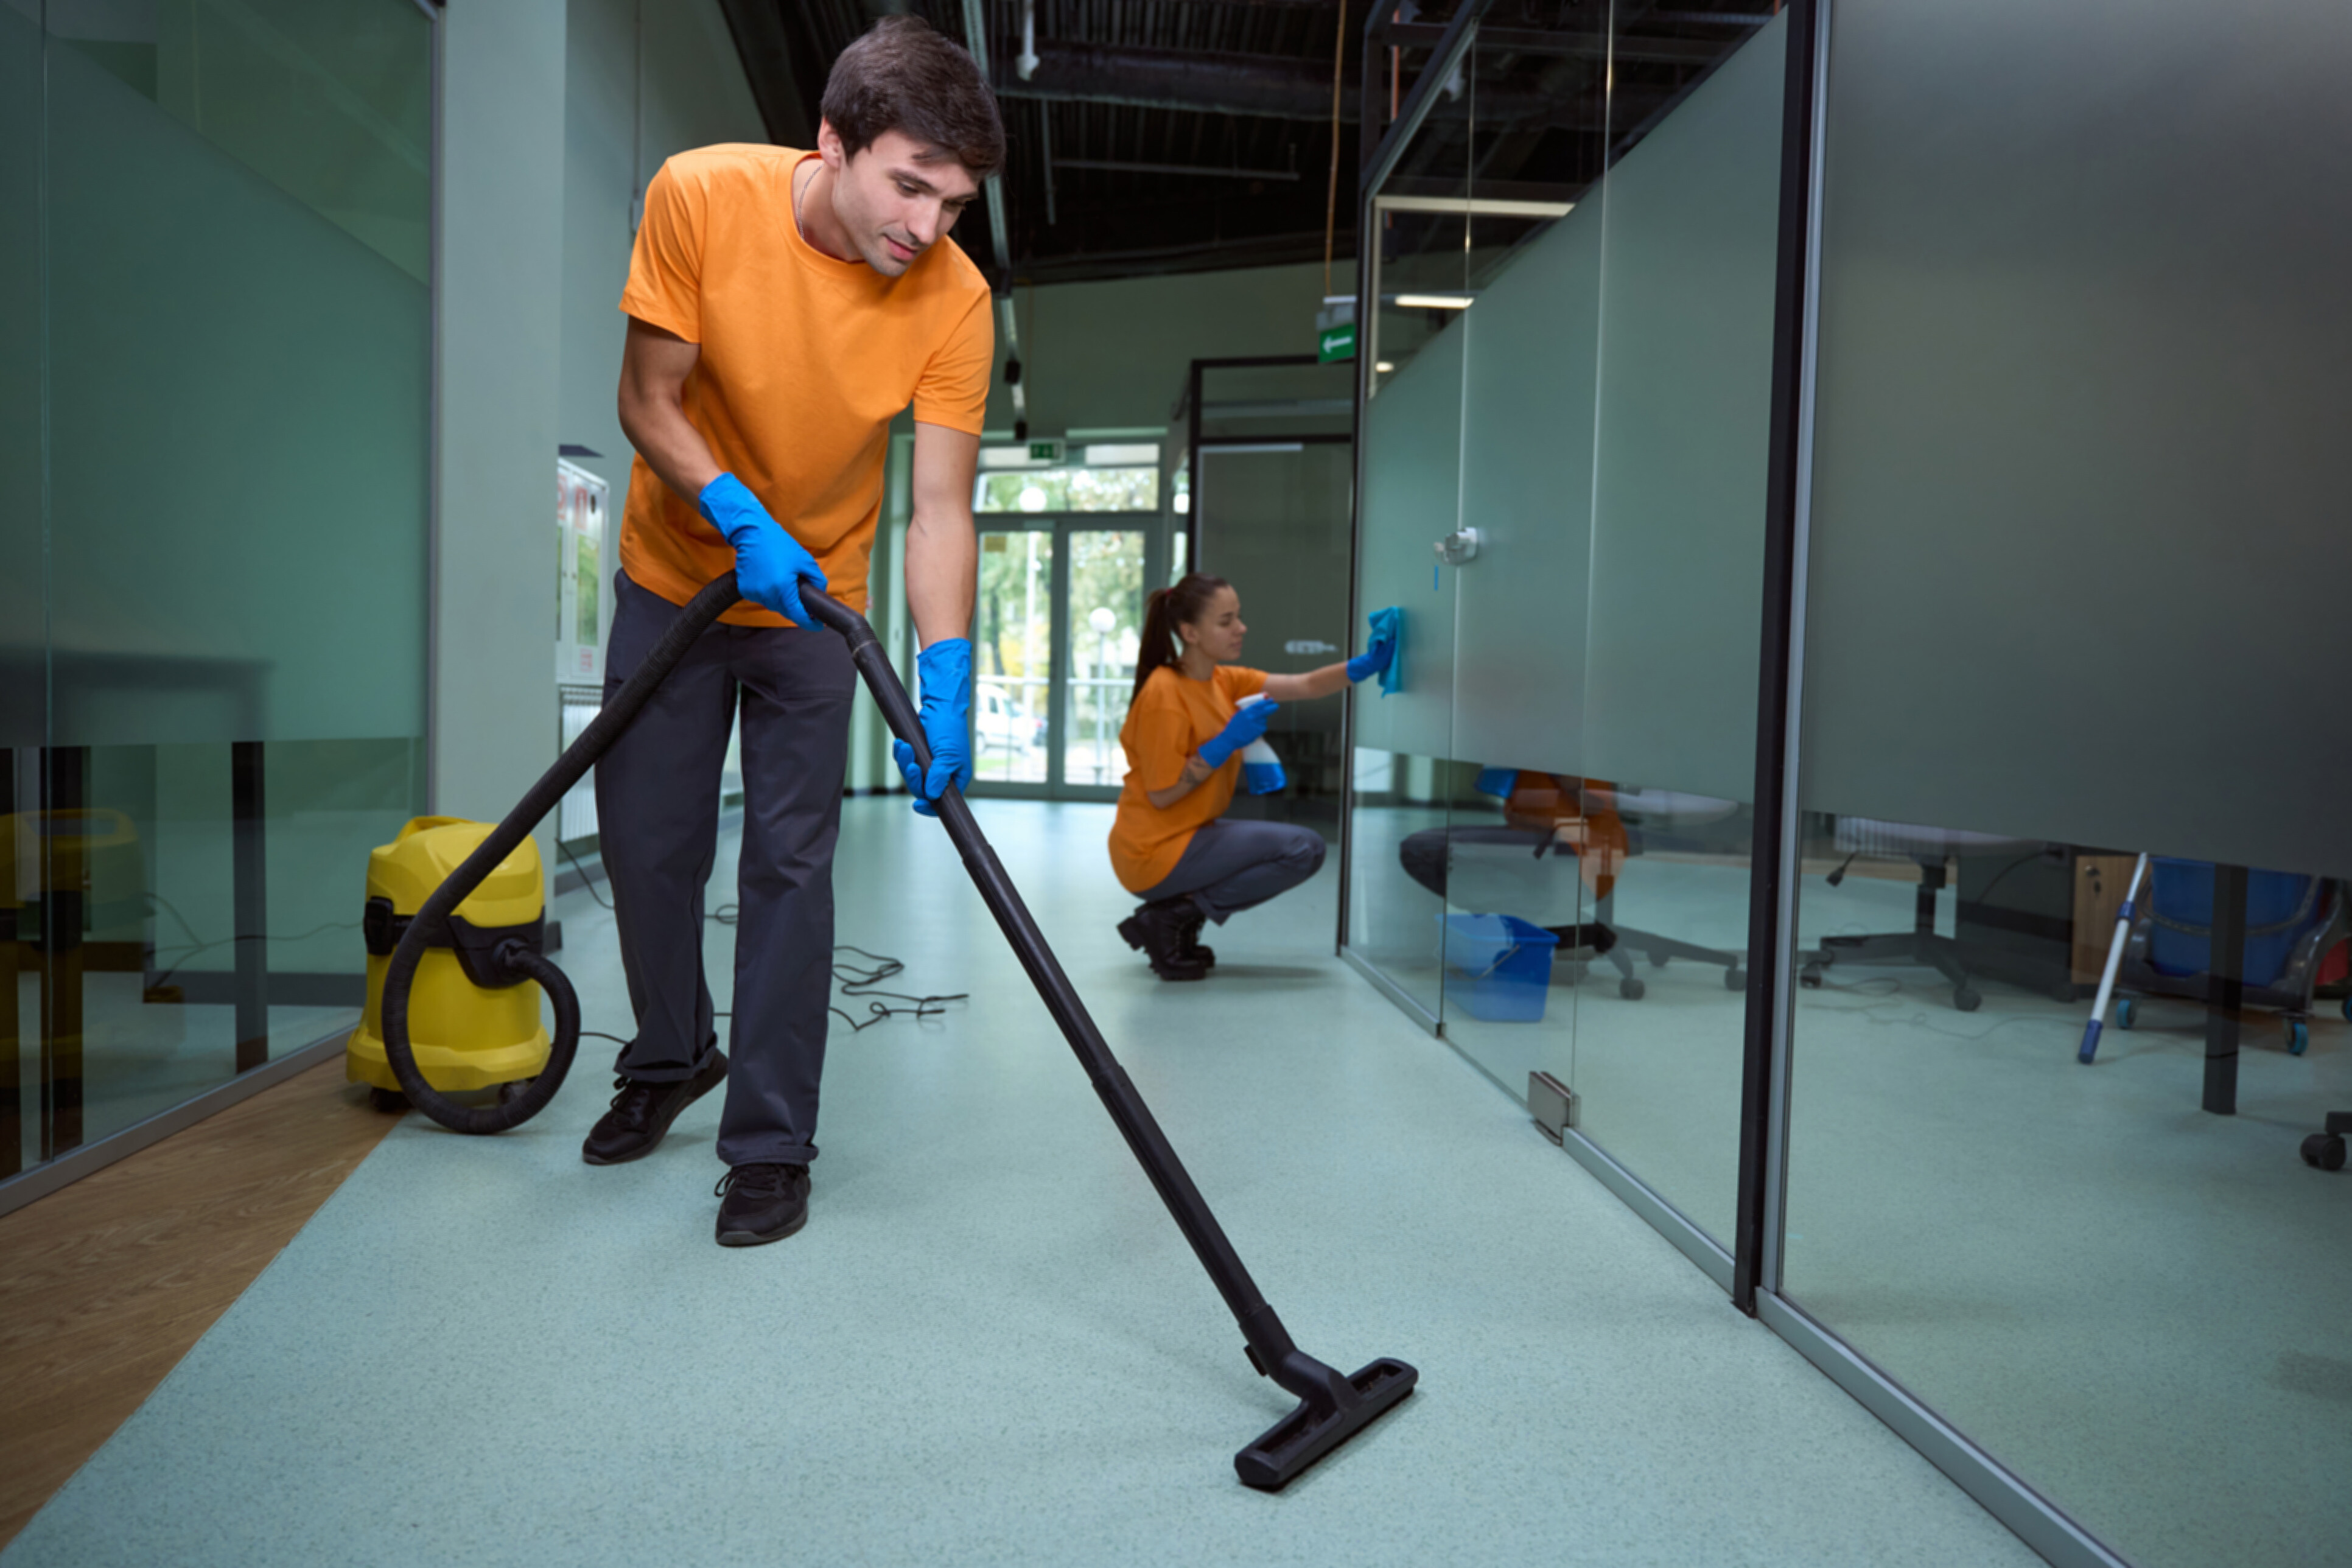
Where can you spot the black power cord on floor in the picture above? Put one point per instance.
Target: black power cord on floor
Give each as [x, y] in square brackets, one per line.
[854, 980]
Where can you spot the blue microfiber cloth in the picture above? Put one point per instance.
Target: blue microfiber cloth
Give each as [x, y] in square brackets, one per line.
[1390, 623]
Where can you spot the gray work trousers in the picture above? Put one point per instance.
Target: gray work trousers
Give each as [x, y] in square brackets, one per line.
[1230, 866]
[657, 819]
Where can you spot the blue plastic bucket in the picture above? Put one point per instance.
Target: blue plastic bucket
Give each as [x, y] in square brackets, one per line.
[1498, 967]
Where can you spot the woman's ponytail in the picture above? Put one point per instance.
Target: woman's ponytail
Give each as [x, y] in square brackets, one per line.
[1167, 609]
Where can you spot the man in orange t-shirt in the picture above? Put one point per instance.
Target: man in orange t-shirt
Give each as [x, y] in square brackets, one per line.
[784, 306]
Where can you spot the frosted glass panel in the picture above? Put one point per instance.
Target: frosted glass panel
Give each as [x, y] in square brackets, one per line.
[2079, 527]
[239, 397]
[1690, 218]
[1412, 443]
[1526, 486]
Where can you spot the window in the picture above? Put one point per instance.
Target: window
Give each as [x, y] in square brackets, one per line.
[1068, 490]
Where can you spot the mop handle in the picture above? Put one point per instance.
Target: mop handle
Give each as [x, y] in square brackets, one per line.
[2114, 962]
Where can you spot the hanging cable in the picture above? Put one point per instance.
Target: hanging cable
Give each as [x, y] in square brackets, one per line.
[1331, 199]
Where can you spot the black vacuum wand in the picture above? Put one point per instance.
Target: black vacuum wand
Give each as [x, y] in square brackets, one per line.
[1333, 1407]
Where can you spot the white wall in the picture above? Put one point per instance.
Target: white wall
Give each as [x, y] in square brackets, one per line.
[686, 87]
[1114, 354]
[494, 716]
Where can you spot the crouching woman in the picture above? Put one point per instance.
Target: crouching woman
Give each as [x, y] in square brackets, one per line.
[1188, 723]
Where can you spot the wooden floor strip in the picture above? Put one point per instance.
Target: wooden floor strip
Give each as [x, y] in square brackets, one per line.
[106, 1284]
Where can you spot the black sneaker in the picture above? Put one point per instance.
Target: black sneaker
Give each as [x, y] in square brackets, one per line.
[763, 1203]
[1158, 929]
[643, 1112]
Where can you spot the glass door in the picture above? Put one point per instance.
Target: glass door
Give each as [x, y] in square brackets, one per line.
[1012, 657]
[1055, 633]
[1105, 628]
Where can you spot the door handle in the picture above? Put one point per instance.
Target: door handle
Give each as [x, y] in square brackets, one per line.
[1459, 546]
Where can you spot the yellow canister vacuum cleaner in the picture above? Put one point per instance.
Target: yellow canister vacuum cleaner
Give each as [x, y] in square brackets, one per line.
[473, 1019]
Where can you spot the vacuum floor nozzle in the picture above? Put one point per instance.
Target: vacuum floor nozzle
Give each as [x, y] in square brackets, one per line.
[1285, 1450]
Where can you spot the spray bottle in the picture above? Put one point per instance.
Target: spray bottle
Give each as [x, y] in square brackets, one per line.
[1261, 769]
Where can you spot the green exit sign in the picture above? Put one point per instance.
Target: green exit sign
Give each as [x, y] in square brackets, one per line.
[1335, 344]
[1045, 451]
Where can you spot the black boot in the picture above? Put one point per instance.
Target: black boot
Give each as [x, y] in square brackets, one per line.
[1158, 928]
[1190, 944]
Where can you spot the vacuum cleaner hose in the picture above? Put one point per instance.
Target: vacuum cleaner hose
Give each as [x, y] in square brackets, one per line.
[429, 925]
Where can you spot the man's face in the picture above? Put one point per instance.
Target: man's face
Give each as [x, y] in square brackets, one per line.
[896, 197]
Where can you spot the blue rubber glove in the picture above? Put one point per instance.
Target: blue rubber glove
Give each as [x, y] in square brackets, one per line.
[944, 673]
[1246, 725]
[1373, 661]
[770, 564]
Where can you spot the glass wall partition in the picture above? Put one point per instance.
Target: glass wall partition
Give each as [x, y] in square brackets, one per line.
[2072, 540]
[215, 377]
[1272, 443]
[2077, 541]
[1564, 493]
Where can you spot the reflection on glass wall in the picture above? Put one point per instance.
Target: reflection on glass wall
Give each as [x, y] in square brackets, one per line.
[2077, 549]
[213, 637]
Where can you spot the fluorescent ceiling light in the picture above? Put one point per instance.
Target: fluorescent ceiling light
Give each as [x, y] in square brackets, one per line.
[1433, 302]
[1476, 206]
[1383, 366]
[1100, 455]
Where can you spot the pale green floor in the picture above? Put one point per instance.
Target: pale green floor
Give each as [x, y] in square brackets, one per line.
[991, 1345]
[2143, 1309]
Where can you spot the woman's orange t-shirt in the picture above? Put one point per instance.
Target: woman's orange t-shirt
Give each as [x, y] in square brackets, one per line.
[805, 360]
[1165, 725]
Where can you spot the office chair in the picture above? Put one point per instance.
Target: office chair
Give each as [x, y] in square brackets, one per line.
[1858, 837]
[1665, 819]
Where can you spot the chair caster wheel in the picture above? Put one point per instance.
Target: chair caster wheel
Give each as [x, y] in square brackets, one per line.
[2324, 1151]
[1630, 989]
[1967, 998]
[1735, 980]
[1809, 977]
[1657, 960]
[2299, 1037]
[2126, 1013]
[391, 1102]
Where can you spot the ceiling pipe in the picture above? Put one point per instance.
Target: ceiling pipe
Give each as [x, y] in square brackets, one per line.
[1257, 85]
[1254, 85]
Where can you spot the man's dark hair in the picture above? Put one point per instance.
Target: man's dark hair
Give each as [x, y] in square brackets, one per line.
[904, 77]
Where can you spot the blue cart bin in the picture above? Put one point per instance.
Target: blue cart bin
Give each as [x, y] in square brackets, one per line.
[1498, 967]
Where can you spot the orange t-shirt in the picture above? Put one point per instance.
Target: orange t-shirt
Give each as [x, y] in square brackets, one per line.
[805, 360]
[1166, 725]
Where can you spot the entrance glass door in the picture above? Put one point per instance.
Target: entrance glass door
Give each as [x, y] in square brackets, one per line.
[1105, 624]
[1055, 633]
[1013, 660]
